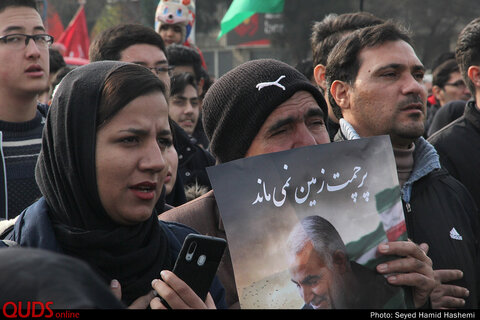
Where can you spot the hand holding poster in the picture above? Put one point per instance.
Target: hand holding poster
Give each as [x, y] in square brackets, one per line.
[342, 198]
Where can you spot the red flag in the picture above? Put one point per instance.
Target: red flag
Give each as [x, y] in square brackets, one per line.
[54, 23]
[75, 37]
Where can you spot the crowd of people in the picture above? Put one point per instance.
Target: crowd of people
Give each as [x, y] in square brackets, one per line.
[105, 163]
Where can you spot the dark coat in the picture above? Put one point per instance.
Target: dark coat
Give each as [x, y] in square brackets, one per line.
[450, 112]
[442, 214]
[192, 159]
[458, 145]
[431, 111]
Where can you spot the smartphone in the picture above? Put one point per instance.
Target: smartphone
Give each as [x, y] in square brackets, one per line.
[198, 261]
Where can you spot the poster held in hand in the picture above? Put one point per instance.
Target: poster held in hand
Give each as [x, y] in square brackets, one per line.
[348, 188]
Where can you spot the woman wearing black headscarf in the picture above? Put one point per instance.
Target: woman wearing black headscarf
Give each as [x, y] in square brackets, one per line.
[101, 173]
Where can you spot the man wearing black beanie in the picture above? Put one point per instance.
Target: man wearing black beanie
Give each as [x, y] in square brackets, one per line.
[259, 107]
[265, 106]
[239, 103]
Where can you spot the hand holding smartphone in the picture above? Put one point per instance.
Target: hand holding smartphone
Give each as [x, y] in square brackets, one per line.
[198, 261]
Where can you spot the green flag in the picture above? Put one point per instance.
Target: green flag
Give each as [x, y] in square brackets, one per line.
[243, 9]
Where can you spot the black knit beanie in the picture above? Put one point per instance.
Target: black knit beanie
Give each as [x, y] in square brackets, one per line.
[238, 103]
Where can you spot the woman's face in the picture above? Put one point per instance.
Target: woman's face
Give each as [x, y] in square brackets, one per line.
[130, 163]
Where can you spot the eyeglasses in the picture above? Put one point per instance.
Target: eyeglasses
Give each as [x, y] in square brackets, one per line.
[20, 40]
[458, 84]
[161, 69]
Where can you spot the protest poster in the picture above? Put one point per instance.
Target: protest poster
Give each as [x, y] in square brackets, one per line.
[351, 184]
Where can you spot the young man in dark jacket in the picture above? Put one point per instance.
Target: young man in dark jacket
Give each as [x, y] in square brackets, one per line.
[459, 143]
[374, 81]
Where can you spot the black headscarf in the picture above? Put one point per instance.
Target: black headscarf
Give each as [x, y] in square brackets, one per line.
[66, 175]
[30, 274]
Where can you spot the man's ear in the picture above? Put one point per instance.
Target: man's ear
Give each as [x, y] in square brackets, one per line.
[339, 92]
[319, 75]
[436, 91]
[474, 75]
[340, 261]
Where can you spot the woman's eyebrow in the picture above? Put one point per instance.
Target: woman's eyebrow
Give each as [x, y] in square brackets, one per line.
[135, 131]
[142, 132]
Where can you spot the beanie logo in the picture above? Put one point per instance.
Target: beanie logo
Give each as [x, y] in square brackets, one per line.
[262, 85]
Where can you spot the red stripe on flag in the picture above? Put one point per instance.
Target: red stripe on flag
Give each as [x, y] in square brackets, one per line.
[396, 231]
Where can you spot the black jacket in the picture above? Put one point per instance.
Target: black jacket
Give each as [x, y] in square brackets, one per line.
[192, 159]
[431, 111]
[448, 113]
[442, 214]
[458, 145]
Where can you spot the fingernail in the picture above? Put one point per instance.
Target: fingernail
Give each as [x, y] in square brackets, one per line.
[392, 279]
[383, 247]
[382, 267]
[114, 283]
[162, 274]
[154, 281]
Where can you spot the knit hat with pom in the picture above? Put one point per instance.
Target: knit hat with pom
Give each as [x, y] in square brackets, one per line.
[238, 103]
